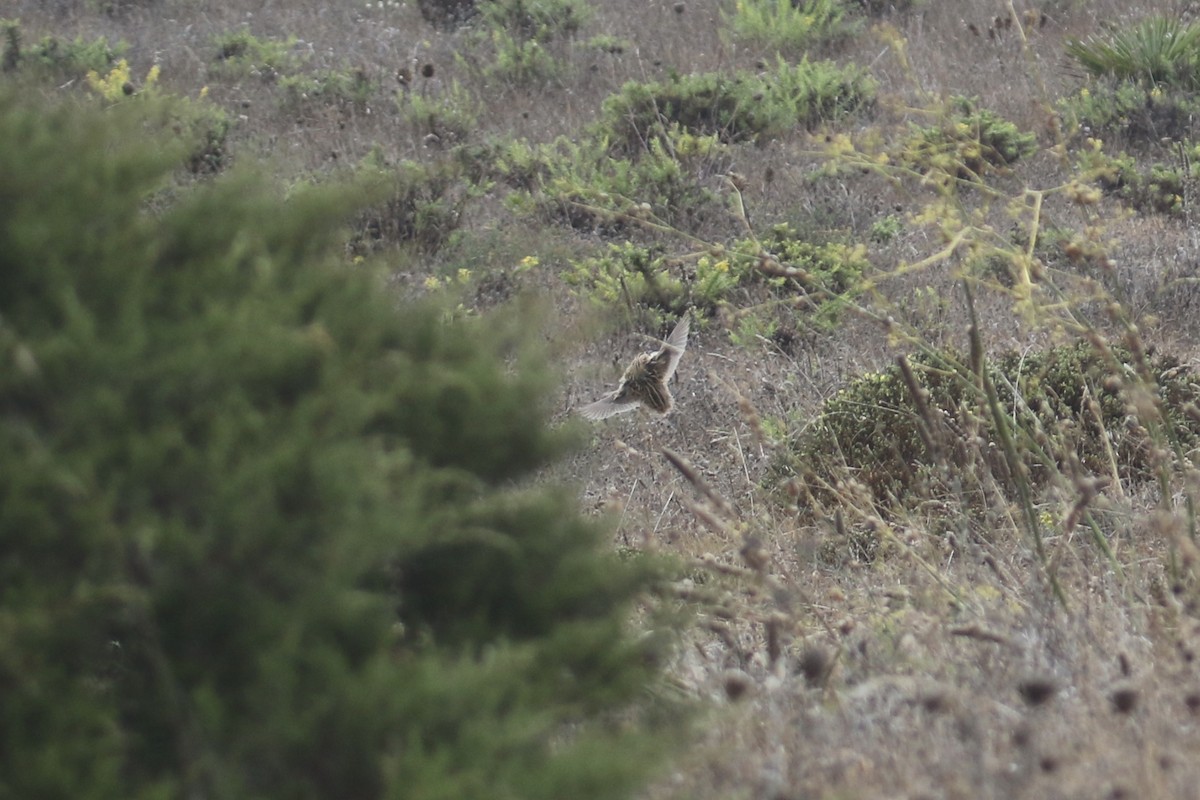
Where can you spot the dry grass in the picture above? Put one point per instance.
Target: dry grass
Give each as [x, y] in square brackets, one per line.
[925, 655]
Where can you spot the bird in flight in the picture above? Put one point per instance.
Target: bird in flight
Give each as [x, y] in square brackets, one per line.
[645, 380]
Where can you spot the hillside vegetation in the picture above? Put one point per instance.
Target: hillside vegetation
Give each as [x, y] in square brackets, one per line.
[299, 300]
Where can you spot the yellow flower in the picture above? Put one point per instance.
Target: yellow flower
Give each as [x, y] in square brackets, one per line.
[203, 92]
[721, 266]
[527, 263]
[464, 275]
[111, 86]
[1084, 92]
[432, 283]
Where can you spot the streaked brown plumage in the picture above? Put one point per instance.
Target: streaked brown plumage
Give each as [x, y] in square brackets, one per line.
[645, 380]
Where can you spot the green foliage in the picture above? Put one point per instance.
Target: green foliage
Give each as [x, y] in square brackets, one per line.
[607, 43]
[886, 229]
[205, 126]
[448, 118]
[790, 26]
[542, 21]
[1156, 50]
[346, 88]
[447, 14]
[240, 55]
[824, 270]
[880, 8]
[969, 143]
[422, 207]
[629, 273]
[262, 532]
[10, 31]
[528, 38]
[1069, 405]
[590, 186]
[60, 57]
[1131, 112]
[739, 107]
[1157, 187]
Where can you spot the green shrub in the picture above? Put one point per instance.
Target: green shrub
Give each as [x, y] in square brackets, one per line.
[527, 39]
[591, 187]
[448, 14]
[968, 144]
[542, 21]
[10, 31]
[874, 433]
[740, 107]
[1157, 187]
[445, 119]
[345, 88]
[1156, 50]
[790, 26]
[1130, 112]
[422, 207]
[263, 532]
[779, 264]
[241, 55]
[73, 59]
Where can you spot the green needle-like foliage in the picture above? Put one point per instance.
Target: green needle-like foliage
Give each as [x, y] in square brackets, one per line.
[264, 534]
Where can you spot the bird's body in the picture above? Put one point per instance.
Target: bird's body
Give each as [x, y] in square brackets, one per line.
[645, 380]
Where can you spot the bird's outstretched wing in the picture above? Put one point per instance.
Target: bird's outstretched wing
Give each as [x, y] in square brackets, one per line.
[609, 406]
[673, 348]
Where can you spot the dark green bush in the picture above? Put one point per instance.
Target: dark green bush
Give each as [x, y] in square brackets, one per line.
[422, 204]
[739, 107]
[873, 432]
[1129, 112]
[522, 42]
[263, 532]
[241, 54]
[591, 187]
[447, 14]
[1147, 187]
[57, 56]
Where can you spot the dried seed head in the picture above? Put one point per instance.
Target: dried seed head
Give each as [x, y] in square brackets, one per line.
[755, 554]
[1037, 690]
[1124, 699]
[1022, 735]
[736, 684]
[815, 665]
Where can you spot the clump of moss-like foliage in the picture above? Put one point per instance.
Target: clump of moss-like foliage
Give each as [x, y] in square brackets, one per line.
[1072, 410]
